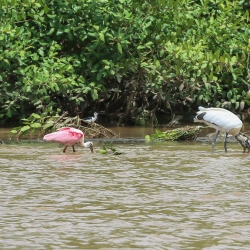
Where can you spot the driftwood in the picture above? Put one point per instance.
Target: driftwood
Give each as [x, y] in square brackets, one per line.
[43, 125]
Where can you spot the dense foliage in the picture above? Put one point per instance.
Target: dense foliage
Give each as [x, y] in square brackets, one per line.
[133, 58]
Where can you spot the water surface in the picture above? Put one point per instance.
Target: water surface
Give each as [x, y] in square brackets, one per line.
[158, 195]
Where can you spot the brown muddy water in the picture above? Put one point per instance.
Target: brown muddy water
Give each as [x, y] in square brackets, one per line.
[156, 195]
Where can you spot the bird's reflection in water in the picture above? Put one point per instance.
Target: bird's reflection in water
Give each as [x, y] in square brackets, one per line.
[64, 157]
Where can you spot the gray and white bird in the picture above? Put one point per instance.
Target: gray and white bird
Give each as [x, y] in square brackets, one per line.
[91, 119]
[225, 121]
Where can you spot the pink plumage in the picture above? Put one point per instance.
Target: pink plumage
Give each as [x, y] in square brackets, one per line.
[65, 135]
[69, 136]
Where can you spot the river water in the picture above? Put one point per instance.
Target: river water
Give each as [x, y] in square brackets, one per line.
[155, 195]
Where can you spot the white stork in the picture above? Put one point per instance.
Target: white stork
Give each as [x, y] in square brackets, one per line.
[223, 120]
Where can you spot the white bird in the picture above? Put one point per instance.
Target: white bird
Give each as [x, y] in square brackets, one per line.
[91, 119]
[223, 120]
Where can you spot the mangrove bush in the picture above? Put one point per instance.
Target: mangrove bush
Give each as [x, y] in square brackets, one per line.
[122, 57]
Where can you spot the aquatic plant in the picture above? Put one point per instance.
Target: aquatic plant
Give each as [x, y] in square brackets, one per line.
[104, 150]
[187, 133]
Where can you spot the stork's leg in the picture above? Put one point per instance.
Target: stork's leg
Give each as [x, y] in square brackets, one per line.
[73, 148]
[214, 141]
[64, 150]
[225, 142]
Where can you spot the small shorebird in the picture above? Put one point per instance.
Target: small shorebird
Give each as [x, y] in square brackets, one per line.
[91, 119]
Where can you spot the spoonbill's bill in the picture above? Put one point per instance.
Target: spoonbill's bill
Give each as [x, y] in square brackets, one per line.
[223, 120]
[91, 119]
[69, 136]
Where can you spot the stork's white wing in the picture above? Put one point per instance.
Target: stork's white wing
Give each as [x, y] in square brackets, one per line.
[222, 118]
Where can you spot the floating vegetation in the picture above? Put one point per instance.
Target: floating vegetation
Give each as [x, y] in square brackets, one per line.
[46, 124]
[104, 150]
[188, 133]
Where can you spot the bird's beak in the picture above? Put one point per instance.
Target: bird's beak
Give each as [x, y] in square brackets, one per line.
[91, 148]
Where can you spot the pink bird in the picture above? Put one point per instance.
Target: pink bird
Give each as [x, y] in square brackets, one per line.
[69, 136]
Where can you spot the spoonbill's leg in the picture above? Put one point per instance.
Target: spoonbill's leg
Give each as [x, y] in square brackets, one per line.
[214, 141]
[64, 150]
[225, 142]
[73, 148]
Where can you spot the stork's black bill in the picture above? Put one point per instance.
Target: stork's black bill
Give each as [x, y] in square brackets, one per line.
[200, 116]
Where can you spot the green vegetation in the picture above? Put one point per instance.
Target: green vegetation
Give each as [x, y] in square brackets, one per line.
[188, 133]
[104, 150]
[132, 58]
[45, 124]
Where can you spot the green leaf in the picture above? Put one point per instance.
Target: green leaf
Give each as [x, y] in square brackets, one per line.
[9, 113]
[119, 47]
[113, 149]
[25, 128]
[204, 65]
[207, 85]
[148, 44]
[237, 104]
[99, 76]
[94, 94]
[200, 97]
[229, 94]
[101, 35]
[28, 89]
[103, 151]
[116, 152]
[51, 16]
[48, 125]
[211, 76]
[46, 9]
[36, 115]
[35, 125]
[22, 53]
[204, 78]
[13, 131]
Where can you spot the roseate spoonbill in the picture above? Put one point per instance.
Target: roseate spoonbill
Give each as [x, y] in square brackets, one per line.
[91, 119]
[223, 120]
[69, 136]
